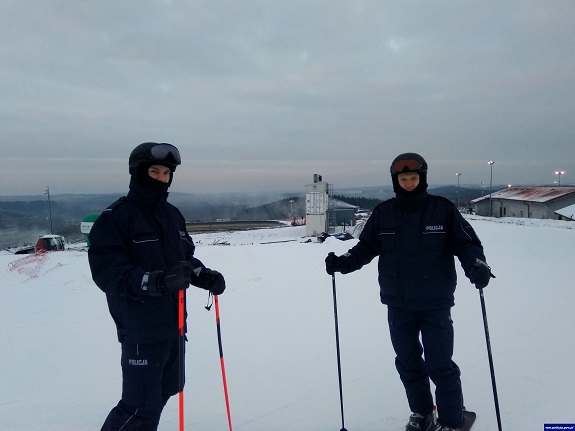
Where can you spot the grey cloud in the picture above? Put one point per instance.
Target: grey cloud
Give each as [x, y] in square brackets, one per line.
[314, 83]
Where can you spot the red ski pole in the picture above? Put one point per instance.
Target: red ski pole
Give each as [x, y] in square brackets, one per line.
[181, 319]
[222, 361]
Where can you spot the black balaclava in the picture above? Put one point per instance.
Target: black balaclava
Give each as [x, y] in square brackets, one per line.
[150, 183]
[149, 154]
[421, 170]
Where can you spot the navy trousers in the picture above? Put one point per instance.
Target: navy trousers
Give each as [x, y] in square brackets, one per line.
[417, 363]
[150, 376]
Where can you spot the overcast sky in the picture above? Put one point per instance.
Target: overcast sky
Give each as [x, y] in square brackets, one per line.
[260, 95]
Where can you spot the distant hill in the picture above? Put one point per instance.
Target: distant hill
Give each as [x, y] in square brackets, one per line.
[371, 192]
[368, 198]
[23, 218]
[465, 194]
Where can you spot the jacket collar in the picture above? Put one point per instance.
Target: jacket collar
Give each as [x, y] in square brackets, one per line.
[411, 203]
[144, 196]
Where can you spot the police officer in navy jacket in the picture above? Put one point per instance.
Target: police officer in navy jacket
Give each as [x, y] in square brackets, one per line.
[141, 256]
[416, 236]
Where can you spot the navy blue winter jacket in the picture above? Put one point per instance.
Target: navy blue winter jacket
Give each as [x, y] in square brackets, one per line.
[139, 233]
[416, 241]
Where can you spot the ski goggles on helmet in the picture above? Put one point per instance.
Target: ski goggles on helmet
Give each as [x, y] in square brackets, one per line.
[406, 165]
[165, 153]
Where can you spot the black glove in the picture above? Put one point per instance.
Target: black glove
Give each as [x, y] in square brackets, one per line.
[335, 264]
[480, 274]
[162, 282]
[211, 280]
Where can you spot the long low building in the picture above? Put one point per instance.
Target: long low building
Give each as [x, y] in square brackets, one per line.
[527, 202]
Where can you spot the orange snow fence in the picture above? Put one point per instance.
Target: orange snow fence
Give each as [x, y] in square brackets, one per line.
[29, 265]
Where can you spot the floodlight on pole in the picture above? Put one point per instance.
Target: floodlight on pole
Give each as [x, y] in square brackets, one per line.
[491, 162]
[458, 175]
[47, 192]
[559, 173]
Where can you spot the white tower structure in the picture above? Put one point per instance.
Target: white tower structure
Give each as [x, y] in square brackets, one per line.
[316, 205]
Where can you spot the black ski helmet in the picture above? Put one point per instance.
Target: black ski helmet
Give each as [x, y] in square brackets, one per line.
[405, 163]
[153, 153]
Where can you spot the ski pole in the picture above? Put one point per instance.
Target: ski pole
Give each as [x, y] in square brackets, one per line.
[337, 350]
[489, 354]
[181, 365]
[222, 361]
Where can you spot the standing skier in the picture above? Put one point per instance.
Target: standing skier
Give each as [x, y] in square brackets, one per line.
[141, 256]
[416, 236]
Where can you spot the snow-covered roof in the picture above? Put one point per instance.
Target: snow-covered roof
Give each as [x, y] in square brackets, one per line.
[530, 194]
[568, 212]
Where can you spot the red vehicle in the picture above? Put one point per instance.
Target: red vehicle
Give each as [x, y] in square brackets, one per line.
[49, 243]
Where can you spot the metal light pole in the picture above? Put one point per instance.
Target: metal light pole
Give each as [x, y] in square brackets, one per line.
[559, 173]
[47, 192]
[490, 186]
[458, 175]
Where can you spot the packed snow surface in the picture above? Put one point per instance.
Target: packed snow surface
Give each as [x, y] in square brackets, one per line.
[60, 359]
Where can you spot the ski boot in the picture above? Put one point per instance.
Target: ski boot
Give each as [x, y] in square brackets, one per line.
[419, 422]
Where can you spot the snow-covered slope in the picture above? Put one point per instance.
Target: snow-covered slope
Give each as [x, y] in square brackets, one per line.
[59, 364]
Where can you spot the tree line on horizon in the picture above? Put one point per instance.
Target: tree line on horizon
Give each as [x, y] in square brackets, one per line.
[17, 218]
